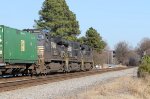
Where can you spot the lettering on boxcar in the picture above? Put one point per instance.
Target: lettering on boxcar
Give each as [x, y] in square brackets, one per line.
[22, 45]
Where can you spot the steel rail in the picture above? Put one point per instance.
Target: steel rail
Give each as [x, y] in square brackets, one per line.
[12, 85]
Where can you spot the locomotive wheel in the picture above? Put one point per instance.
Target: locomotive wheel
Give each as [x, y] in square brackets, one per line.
[91, 67]
[79, 68]
[83, 68]
[0, 72]
[67, 70]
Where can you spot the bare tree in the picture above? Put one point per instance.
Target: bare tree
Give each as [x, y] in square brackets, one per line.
[144, 47]
[101, 57]
[122, 52]
[133, 58]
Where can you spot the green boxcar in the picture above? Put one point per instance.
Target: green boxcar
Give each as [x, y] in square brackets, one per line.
[17, 46]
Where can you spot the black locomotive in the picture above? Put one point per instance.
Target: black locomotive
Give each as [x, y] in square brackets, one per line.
[56, 54]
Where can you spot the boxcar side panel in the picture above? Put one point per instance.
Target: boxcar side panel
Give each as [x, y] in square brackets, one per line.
[19, 46]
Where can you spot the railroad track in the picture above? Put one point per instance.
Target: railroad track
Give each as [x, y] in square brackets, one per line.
[12, 85]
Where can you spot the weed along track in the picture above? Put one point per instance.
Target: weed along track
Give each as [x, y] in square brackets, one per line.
[34, 81]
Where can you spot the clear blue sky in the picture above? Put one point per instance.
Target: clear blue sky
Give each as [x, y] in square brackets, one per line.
[115, 20]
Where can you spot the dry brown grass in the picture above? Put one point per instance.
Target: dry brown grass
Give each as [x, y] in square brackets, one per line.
[119, 88]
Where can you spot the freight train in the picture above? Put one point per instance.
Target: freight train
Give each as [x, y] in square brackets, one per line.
[32, 51]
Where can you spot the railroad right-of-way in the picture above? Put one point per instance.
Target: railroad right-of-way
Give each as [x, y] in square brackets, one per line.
[66, 87]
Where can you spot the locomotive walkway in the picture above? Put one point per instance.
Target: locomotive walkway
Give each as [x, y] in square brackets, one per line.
[60, 86]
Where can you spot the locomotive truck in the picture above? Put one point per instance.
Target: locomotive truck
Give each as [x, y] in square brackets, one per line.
[33, 51]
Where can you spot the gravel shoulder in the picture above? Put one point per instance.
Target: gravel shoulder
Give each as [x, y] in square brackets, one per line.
[65, 88]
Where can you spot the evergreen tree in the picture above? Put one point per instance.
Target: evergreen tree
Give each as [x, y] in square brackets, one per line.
[82, 40]
[94, 39]
[56, 16]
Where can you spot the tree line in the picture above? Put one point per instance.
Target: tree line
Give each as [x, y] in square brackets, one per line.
[127, 55]
[56, 16]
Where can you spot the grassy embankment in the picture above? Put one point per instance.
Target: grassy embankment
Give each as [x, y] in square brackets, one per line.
[124, 87]
[119, 88]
